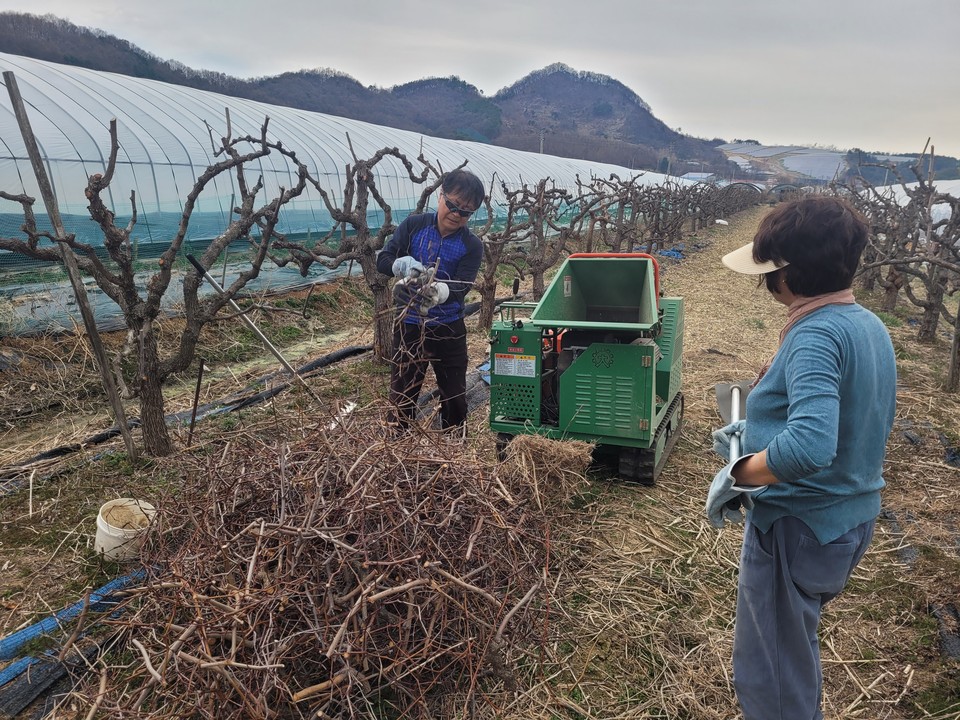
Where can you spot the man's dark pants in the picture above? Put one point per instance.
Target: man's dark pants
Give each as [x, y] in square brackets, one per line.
[443, 347]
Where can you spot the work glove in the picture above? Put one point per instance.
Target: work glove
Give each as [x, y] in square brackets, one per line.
[721, 437]
[725, 499]
[406, 267]
[434, 294]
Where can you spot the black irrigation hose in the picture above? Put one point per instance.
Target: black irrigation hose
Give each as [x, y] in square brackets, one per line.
[62, 450]
[175, 418]
[216, 408]
[317, 364]
[334, 357]
[44, 677]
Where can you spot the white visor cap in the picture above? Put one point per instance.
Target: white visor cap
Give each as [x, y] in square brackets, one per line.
[741, 261]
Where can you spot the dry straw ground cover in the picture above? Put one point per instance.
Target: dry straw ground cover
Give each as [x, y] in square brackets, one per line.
[594, 599]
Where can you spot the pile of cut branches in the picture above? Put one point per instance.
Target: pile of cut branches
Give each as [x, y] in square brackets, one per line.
[336, 575]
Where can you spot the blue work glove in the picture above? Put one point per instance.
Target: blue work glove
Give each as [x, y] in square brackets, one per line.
[721, 437]
[406, 266]
[724, 500]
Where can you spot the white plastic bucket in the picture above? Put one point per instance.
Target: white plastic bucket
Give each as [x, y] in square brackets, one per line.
[121, 527]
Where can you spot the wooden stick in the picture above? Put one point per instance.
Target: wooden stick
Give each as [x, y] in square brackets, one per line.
[100, 694]
[76, 630]
[69, 260]
[146, 661]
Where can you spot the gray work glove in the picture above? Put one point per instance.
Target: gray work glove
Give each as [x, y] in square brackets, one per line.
[723, 502]
[725, 499]
[406, 266]
[721, 437]
[418, 288]
[433, 294]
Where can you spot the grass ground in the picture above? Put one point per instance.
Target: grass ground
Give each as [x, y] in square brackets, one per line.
[645, 589]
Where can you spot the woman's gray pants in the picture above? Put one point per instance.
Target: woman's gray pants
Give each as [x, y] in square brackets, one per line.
[786, 577]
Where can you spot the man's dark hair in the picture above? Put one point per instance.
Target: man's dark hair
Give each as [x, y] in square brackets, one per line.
[821, 237]
[465, 185]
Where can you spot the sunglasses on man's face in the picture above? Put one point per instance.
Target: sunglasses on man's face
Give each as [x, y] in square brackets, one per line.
[454, 209]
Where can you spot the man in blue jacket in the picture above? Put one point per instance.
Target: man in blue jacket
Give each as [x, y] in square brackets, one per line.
[435, 259]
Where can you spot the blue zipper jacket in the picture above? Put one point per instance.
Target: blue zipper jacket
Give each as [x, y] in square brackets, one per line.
[459, 258]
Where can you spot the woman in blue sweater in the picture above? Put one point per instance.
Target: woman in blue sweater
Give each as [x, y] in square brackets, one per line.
[816, 429]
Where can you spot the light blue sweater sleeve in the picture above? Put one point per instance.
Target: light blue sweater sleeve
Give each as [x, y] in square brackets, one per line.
[812, 373]
[823, 413]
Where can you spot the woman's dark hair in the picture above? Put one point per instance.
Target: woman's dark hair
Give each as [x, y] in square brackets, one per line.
[821, 237]
[465, 185]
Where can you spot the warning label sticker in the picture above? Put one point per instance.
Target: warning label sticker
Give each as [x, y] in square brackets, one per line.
[515, 365]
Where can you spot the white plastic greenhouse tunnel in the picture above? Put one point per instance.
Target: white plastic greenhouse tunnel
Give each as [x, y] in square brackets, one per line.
[165, 143]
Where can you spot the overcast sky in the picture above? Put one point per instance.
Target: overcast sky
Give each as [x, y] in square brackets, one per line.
[875, 74]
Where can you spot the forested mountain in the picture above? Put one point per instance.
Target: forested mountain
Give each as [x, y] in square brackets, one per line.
[590, 116]
[557, 109]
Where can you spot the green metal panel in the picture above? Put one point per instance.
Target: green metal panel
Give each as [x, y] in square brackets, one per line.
[608, 391]
[670, 341]
[600, 294]
[515, 373]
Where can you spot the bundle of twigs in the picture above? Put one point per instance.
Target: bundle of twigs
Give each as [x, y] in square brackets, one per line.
[328, 576]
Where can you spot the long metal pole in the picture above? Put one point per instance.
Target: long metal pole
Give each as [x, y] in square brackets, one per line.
[734, 417]
[69, 261]
[250, 324]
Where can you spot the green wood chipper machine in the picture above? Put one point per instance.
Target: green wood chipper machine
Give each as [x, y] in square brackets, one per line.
[597, 359]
